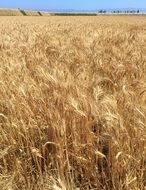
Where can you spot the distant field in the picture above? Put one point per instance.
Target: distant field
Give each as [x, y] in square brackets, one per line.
[16, 12]
[10, 12]
[73, 103]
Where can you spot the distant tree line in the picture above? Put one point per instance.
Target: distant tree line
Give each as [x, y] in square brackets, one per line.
[75, 14]
[102, 11]
[119, 11]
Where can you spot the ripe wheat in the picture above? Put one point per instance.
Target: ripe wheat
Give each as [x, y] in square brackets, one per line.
[73, 103]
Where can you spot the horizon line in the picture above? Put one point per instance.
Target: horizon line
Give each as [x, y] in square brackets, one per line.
[74, 9]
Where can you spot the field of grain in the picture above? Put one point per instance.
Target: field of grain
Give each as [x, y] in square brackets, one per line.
[19, 12]
[10, 12]
[32, 13]
[73, 103]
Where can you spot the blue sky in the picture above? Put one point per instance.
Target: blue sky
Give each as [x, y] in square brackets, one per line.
[73, 4]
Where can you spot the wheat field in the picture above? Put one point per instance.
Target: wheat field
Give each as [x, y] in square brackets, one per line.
[73, 103]
[19, 12]
[10, 12]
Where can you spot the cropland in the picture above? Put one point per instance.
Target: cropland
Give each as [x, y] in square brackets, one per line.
[73, 103]
[19, 12]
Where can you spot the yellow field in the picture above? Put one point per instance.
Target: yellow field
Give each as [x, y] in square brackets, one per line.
[17, 12]
[73, 103]
[32, 13]
[10, 12]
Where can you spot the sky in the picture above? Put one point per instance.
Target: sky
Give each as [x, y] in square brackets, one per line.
[72, 4]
